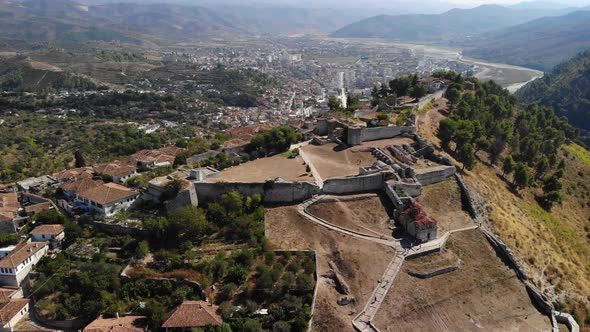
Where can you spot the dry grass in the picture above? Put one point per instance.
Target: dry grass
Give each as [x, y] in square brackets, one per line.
[330, 161]
[553, 245]
[361, 263]
[483, 295]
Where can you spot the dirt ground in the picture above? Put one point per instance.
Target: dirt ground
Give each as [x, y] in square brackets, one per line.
[331, 162]
[267, 169]
[483, 295]
[45, 66]
[443, 202]
[362, 264]
[364, 215]
[428, 122]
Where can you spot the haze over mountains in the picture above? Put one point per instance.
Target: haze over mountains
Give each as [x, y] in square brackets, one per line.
[446, 26]
[532, 34]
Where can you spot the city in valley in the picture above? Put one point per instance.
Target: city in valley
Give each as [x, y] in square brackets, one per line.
[234, 166]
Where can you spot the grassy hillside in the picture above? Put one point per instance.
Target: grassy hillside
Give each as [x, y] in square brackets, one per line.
[539, 44]
[554, 245]
[566, 90]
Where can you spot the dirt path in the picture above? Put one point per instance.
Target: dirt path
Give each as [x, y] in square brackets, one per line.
[428, 122]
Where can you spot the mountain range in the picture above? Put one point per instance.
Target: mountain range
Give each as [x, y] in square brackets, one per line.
[64, 20]
[539, 44]
[448, 26]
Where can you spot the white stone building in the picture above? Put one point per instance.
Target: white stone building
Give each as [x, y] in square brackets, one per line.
[54, 234]
[106, 199]
[15, 267]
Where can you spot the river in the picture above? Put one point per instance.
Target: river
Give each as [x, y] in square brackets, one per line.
[509, 76]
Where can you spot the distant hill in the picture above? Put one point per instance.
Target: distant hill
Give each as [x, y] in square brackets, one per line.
[68, 21]
[447, 26]
[566, 89]
[539, 44]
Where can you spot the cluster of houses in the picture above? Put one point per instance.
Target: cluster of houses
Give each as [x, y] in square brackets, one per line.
[16, 263]
[189, 315]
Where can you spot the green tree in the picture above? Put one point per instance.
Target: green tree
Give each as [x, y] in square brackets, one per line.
[334, 104]
[522, 176]
[467, 156]
[281, 326]
[508, 165]
[225, 327]
[142, 249]
[541, 167]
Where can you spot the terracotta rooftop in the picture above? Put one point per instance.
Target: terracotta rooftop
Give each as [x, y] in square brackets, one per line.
[121, 324]
[36, 208]
[9, 205]
[10, 309]
[48, 230]
[20, 253]
[108, 193]
[78, 186]
[115, 169]
[152, 156]
[76, 173]
[193, 314]
[6, 294]
[418, 216]
[171, 150]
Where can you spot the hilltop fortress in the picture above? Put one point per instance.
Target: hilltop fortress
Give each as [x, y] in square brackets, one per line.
[391, 159]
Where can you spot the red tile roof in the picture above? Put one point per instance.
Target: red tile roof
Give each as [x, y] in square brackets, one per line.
[193, 314]
[10, 309]
[108, 193]
[76, 173]
[48, 230]
[121, 324]
[9, 205]
[20, 253]
[77, 186]
[115, 169]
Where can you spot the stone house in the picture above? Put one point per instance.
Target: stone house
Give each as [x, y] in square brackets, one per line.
[419, 224]
[55, 234]
[106, 199]
[15, 267]
[193, 314]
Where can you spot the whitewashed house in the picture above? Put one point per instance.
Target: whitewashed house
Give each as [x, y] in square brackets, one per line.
[15, 267]
[106, 199]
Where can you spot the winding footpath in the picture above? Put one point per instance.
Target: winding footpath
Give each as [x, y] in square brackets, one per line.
[363, 321]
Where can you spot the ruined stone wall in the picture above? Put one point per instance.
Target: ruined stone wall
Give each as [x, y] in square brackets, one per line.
[437, 95]
[184, 198]
[378, 133]
[356, 185]
[272, 192]
[435, 174]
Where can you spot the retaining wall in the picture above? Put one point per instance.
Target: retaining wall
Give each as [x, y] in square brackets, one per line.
[117, 229]
[357, 184]
[272, 192]
[378, 133]
[435, 175]
[427, 275]
[568, 320]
